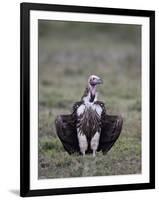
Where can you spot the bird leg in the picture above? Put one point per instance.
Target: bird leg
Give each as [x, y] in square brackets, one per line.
[82, 142]
[95, 143]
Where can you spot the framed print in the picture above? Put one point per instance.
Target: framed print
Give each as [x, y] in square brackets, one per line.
[87, 99]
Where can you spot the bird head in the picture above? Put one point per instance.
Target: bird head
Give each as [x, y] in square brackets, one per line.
[94, 80]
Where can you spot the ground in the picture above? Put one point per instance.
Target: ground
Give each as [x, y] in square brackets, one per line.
[68, 54]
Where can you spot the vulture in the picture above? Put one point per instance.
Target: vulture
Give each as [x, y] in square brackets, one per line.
[88, 129]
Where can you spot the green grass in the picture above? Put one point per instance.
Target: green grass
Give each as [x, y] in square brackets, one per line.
[67, 56]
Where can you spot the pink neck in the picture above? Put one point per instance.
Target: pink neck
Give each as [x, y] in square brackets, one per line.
[92, 89]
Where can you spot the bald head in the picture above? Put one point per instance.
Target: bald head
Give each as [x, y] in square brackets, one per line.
[94, 80]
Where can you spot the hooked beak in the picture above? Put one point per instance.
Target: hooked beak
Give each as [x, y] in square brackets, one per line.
[99, 81]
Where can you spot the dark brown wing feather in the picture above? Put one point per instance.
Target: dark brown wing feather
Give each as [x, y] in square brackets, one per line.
[66, 130]
[110, 130]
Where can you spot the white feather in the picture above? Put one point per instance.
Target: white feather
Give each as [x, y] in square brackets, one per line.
[97, 108]
[80, 110]
[88, 104]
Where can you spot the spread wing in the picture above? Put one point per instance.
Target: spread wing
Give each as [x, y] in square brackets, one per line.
[111, 127]
[66, 130]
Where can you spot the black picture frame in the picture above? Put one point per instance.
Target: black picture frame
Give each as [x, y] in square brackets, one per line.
[25, 9]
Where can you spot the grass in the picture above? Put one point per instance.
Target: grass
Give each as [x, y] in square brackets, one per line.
[68, 54]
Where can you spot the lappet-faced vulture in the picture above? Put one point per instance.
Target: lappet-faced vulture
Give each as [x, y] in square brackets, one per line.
[88, 128]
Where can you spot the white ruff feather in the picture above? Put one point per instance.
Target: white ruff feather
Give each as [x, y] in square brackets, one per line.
[93, 106]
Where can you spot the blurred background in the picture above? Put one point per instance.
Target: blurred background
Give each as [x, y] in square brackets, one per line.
[69, 52]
